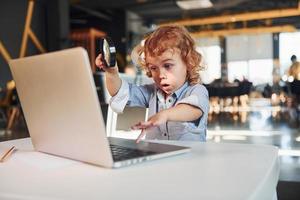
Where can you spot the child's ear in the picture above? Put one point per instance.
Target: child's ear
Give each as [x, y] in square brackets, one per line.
[148, 73]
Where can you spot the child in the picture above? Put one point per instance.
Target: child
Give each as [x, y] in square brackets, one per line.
[178, 104]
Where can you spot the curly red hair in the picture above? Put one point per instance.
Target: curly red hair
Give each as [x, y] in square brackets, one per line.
[173, 37]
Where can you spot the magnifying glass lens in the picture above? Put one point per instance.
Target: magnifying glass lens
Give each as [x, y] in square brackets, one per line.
[108, 52]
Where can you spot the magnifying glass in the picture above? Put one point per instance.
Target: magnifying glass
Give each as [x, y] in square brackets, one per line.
[108, 51]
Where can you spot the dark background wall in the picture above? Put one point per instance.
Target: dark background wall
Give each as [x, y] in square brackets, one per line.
[12, 22]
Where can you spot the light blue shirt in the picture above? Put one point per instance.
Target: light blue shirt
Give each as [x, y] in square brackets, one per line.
[151, 97]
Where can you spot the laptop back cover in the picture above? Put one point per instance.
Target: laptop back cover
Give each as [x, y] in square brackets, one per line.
[61, 107]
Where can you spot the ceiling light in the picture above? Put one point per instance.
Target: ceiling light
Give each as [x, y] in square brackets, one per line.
[194, 4]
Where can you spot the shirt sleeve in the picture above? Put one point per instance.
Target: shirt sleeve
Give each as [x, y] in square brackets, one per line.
[119, 101]
[131, 95]
[197, 96]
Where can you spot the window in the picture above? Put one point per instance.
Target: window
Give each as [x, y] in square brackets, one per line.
[250, 57]
[288, 46]
[237, 70]
[212, 63]
[260, 71]
[257, 71]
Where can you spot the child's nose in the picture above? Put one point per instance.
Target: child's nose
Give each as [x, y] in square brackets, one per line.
[162, 73]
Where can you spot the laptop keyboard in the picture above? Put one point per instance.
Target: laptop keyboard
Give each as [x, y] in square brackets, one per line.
[120, 153]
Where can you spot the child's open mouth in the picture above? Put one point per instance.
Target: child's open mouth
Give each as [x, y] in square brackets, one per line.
[165, 87]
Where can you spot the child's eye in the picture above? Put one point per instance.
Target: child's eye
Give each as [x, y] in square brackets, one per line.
[167, 65]
[153, 68]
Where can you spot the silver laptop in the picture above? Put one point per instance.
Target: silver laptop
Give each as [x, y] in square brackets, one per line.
[63, 114]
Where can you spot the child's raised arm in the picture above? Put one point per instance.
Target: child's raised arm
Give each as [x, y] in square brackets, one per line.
[112, 79]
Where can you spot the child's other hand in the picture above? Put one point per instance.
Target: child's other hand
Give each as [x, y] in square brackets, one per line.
[142, 125]
[155, 120]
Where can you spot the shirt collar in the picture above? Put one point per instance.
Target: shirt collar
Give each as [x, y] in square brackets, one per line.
[176, 94]
[181, 89]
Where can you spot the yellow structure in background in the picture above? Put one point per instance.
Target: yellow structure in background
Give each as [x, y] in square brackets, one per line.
[230, 19]
[254, 30]
[4, 52]
[266, 14]
[28, 33]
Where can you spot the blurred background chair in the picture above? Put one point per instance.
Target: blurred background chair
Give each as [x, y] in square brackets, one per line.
[9, 105]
